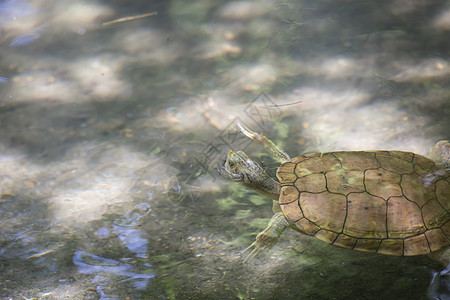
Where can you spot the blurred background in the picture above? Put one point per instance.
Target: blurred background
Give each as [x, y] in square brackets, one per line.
[114, 117]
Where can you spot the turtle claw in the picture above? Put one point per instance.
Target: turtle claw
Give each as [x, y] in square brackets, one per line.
[266, 143]
[264, 240]
[253, 253]
[248, 133]
[268, 237]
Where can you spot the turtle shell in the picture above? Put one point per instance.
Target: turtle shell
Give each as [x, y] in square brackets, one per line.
[389, 202]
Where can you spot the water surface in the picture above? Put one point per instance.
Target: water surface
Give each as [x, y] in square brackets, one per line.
[110, 137]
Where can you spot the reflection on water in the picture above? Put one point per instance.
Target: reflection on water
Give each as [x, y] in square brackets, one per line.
[440, 285]
[104, 268]
[23, 40]
[110, 136]
[132, 237]
[133, 240]
[11, 9]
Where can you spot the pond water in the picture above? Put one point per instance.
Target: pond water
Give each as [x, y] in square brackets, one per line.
[112, 131]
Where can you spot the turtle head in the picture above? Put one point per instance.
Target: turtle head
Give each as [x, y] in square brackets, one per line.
[240, 168]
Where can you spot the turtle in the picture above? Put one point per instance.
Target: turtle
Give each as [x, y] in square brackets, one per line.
[387, 202]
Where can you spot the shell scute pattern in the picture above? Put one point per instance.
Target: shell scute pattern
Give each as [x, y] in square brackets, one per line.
[391, 202]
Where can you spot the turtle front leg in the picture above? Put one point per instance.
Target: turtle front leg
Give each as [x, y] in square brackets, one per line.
[440, 153]
[270, 147]
[269, 236]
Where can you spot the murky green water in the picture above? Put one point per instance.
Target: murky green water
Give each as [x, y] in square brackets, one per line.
[111, 134]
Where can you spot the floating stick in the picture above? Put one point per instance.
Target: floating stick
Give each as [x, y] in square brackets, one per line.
[120, 20]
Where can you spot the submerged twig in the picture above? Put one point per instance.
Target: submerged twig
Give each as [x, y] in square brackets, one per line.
[130, 18]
